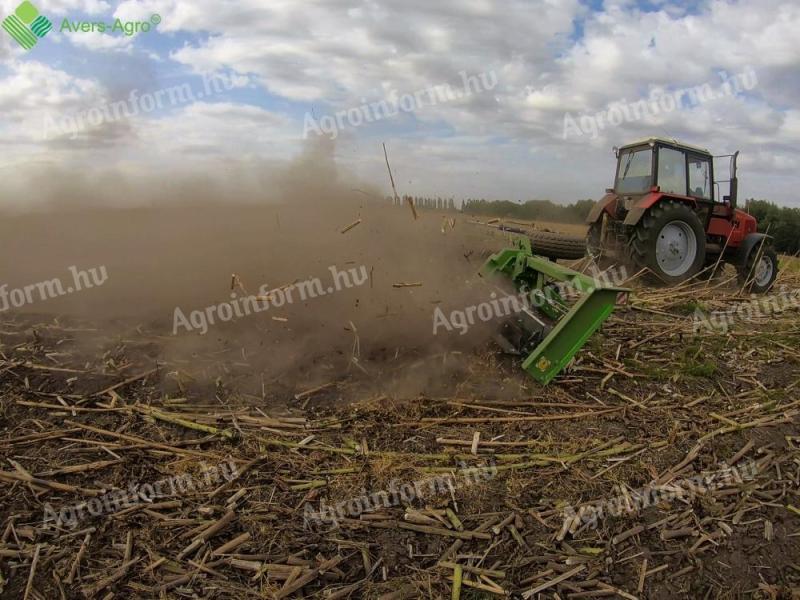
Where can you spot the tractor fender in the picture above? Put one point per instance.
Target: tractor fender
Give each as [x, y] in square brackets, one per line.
[636, 213]
[750, 242]
[607, 203]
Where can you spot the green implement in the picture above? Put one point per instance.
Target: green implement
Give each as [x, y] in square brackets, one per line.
[563, 308]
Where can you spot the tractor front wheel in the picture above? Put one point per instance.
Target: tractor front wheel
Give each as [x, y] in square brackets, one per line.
[759, 277]
[670, 241]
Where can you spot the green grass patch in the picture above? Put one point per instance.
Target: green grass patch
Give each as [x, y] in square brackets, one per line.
[790, 264]
[650, 371]
[703, 369]
[692, 360]
[690, 307]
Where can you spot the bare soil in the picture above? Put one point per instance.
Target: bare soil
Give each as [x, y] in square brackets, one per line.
[352, 395]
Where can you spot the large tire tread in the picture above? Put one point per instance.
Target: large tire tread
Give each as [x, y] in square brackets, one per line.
[557, 245]
[641, 246]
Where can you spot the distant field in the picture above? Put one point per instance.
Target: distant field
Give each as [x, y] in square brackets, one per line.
[790, 264]
[571, 228]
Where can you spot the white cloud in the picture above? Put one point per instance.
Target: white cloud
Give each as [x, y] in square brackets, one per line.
[101, 42]
[338, 51]
[337, 54]
[31, 90]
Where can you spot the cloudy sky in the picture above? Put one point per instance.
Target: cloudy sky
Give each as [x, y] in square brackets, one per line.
[223, 88]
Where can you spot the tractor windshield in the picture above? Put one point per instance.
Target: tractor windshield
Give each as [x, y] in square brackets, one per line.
[634, 171]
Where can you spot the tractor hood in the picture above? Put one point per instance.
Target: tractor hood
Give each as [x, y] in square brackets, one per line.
[745, 221]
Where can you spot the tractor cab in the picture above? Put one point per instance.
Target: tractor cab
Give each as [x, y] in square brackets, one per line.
[669, 167]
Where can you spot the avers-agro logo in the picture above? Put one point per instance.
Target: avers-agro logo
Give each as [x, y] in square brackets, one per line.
[26, 25]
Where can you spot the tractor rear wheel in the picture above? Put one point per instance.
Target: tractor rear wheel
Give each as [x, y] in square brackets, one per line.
[670, 241]
[763, 274]
[557, 245]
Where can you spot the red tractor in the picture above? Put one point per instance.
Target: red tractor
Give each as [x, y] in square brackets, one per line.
[665, 213]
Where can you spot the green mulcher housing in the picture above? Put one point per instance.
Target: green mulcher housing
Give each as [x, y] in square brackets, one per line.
[562, 308]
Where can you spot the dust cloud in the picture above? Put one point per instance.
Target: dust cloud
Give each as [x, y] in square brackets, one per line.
[169, 249]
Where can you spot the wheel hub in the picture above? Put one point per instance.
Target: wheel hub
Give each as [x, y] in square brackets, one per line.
[764, 271]
[676, 248]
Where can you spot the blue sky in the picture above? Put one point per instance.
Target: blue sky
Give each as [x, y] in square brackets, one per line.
[552, 64]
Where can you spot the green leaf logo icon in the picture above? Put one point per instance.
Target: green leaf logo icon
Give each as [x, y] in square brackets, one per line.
[26, 25]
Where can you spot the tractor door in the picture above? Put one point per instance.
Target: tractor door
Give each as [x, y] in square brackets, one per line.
[671, 178]
[700, 174]
[732, 187]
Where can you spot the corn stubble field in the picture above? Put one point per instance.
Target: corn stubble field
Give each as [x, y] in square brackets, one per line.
[91, 405]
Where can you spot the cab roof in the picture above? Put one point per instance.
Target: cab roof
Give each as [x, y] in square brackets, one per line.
[667, 141]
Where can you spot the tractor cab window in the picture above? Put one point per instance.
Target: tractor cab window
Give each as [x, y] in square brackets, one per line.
[672, 171]
[699, 178]
[634, 171]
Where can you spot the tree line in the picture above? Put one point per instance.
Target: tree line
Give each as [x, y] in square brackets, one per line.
[543, 210]
[438, 203]
[781, 222]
